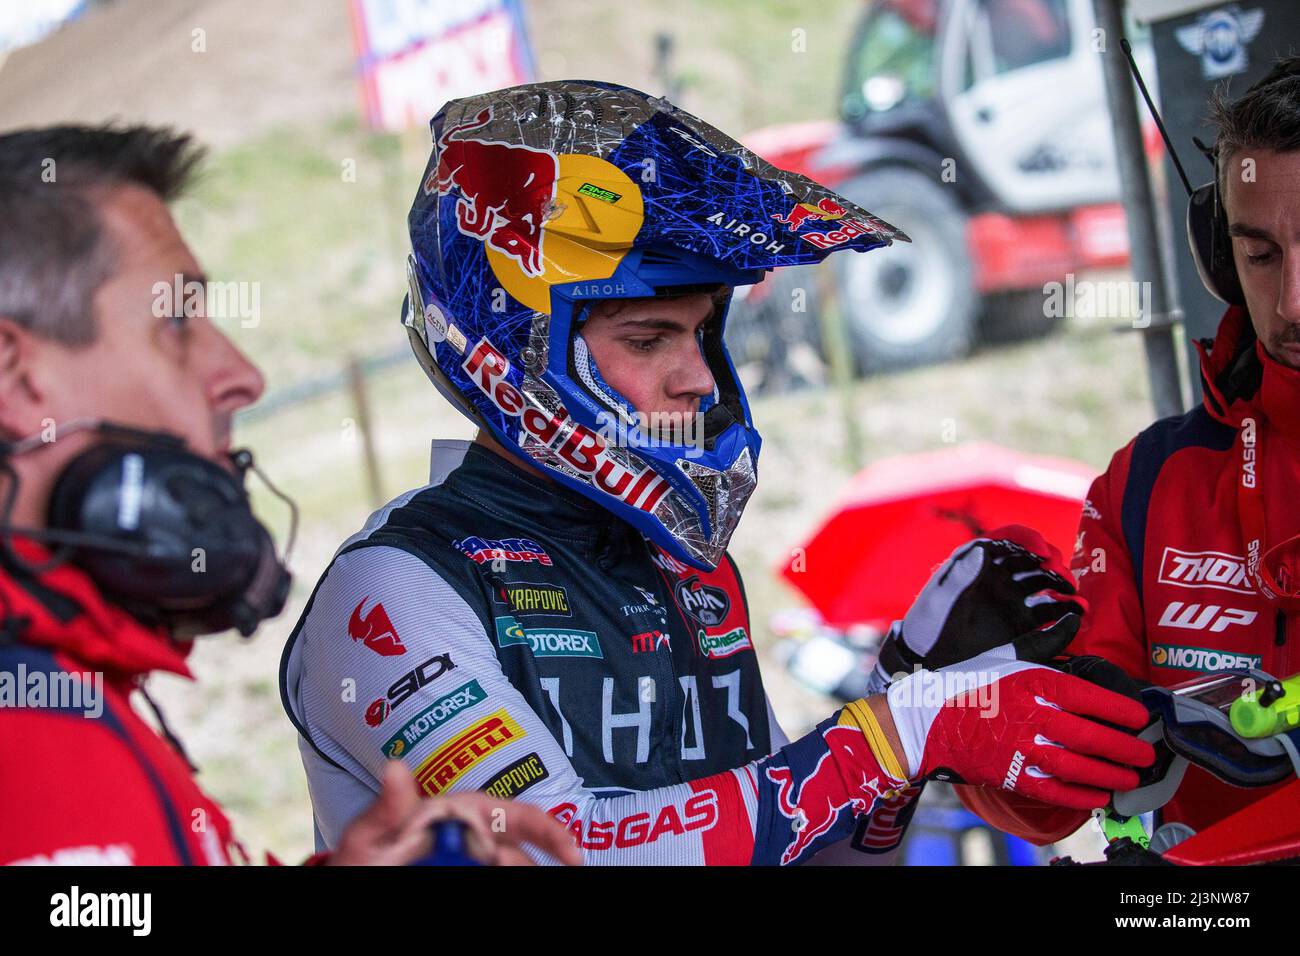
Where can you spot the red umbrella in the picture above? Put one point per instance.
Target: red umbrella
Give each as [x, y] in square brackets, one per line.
[901, 517]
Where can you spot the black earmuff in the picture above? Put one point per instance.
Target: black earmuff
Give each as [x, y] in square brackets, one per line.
[167, 535]
[1207, 234]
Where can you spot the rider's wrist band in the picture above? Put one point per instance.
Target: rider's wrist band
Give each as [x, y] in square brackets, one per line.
[859, 713]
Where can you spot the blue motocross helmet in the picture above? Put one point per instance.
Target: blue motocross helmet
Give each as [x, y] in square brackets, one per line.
[539, 201]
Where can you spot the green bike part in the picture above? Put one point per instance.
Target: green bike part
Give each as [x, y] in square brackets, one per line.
[1253, 720]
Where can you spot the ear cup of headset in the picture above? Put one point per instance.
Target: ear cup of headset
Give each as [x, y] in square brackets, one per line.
[175, 540]
[1207, 235]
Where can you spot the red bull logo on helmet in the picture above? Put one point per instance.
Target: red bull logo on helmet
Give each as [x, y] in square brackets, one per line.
[575, 444]
[827, 210]
[506, 190]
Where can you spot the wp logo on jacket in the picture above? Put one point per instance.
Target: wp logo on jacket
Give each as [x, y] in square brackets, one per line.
[406, 686]
[452, 760]
[375, 630]
[1203, 617]
[705, 603]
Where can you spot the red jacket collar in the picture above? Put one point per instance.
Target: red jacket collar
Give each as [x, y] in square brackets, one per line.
[63, 610]
[1239, 378]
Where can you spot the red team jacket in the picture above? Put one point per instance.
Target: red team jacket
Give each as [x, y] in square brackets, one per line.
[1161, 558]
[85, 780]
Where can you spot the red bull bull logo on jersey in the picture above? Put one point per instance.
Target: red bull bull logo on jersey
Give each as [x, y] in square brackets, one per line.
[506, 190]
[813, 804]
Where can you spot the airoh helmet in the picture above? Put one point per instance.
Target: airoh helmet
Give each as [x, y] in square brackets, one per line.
[540, 200]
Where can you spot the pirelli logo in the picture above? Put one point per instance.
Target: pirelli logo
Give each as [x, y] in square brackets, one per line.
[450, 762]
[1205, 569]
[517, 777]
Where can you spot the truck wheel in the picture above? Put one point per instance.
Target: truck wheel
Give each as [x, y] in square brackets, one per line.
[773, 332]
[1016, 316]
[910, 303]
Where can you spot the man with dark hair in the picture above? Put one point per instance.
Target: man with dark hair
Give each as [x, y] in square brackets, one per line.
[125, 529]
[1187, 550]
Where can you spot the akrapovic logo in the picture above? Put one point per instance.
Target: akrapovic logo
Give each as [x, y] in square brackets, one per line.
[1013, 772]
[1205, 569]
[1200, 658]
[1204, 617]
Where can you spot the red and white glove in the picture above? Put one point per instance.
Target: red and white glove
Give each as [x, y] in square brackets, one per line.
[1019, 726]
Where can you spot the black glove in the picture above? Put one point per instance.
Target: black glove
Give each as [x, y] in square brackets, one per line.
[1104, 674]
[1011, 589]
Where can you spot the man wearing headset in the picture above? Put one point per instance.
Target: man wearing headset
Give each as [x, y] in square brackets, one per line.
[126, 528]
[555, 617]
[1189, 546]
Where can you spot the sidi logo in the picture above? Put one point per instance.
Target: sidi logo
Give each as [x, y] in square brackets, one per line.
[1013, 772]
[134, 910]
[1201, 617]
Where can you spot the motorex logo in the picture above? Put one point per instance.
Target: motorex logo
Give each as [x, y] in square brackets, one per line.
[1200, 658]
[547, 641]
[433, 716]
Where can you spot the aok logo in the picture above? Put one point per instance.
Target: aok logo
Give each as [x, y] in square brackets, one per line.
[1203, 617]
[1205, 569]
[705, 603]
